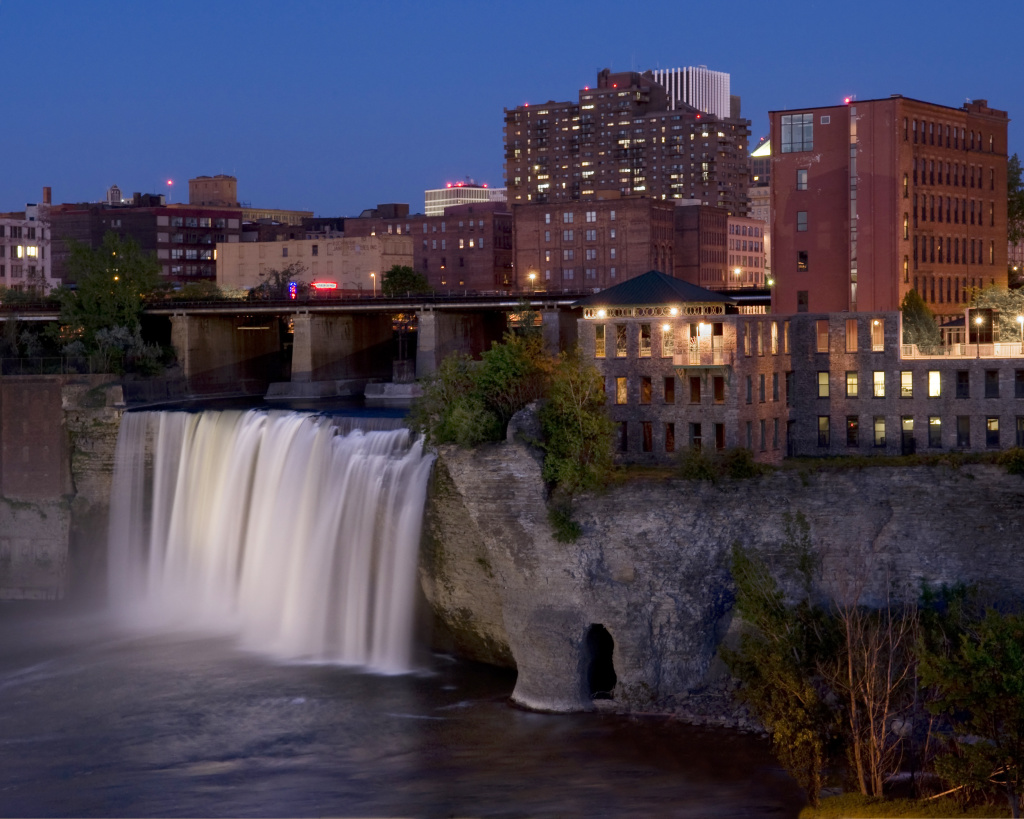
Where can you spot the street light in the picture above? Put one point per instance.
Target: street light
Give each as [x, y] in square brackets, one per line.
[977, 336]
[533, 280]
[1020, 321]
[373, 278]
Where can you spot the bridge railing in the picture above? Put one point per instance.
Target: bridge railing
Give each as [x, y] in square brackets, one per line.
[45, 365]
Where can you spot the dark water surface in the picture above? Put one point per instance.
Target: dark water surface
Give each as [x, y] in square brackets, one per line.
[99, 723]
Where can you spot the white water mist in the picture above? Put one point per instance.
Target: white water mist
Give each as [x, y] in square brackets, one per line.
[275, 526]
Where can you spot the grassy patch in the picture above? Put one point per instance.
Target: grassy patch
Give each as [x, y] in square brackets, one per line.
[855, 805]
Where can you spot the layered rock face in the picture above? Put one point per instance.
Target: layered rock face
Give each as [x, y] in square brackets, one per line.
[651, 566]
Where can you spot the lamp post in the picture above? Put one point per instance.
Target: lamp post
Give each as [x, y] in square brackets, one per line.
[533, 280]
[1020, 321]
[978, 321]
[373, 278]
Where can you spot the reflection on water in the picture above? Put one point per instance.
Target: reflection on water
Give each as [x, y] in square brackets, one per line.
[99, 723]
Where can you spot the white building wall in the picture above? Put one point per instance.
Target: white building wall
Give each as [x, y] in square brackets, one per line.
[25, 258]
[705, 90]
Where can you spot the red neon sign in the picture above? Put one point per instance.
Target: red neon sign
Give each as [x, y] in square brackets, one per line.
[325, 285]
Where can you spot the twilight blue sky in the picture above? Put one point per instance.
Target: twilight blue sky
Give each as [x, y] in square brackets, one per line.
[336, 106]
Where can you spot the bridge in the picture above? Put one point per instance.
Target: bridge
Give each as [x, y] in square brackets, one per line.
[222, 343]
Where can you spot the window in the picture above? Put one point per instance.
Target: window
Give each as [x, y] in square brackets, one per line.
[670, 389]
[547, 218]
[823, 431]
[621, 393]
[761, 392]
[670, 437]
[1018, 384]
[963, 430]
[992, 431]
[797, 133]
[284, 252]
[695, 436]
[821, 331]
[315, 250]
[750, 389]
[934, 384]
[668, 341]
[775, 386]
[934, 431]
[802, 301]
[991, 383]
[718, 389]
[567, 218]
[801, 220]
[906, 384]
[877, 335]
[878, 384]
[645, 341]
[750, 434]
[879, 430]
[591, 215]
[694, 389]
[1020, 430]
[599, 349]
[775, 337]
[801, 179]
[623, 437]
[963, 384]
[852, 430]
[851, 384]
[648, 436]
[645, 389]
[823, 384]
[620, 340]
[851, 335]
[764, 438]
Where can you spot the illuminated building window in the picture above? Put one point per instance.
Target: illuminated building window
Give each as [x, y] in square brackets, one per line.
[851, 384]
[620, 340]
[934, 384]
[599, 345]
[621, 392]
[823, 384]
[906, 384]
[878, 384]
[879, 428]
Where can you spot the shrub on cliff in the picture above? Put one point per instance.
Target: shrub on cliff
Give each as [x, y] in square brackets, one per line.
[578, 434]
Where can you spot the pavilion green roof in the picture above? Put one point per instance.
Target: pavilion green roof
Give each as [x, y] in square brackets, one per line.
[652, 288]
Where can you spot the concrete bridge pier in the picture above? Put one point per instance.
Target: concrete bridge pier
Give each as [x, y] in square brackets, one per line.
[441, 333]
[559, 328]
[219, 352]
[333, 347]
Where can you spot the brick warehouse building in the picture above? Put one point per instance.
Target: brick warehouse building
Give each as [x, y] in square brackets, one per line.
[682, 368]
[467, 248]
[873, 198]
[623, 138]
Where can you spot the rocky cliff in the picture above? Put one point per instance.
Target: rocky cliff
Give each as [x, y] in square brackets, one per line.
[651, 564]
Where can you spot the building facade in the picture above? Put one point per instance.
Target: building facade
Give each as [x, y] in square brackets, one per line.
[469, 247]
[350, 266]
[696, 87]
[459, 193]
[681, 368]
[874, 198]
[25, 250]
[747, 253]
[623, 138]
[702, 246]
[591, 245]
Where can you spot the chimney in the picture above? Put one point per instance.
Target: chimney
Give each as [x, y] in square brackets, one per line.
[46, 196]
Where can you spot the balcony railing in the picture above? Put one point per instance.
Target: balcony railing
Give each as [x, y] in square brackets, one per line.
[1002, 349]
[704, 358]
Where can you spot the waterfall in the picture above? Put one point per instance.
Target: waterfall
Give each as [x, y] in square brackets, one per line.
[275, 526]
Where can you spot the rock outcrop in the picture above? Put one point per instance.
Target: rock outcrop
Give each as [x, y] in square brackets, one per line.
[651, 566]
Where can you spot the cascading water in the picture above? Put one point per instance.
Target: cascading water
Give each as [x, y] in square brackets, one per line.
[273, 525]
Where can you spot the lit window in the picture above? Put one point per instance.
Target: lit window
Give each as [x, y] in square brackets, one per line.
[645, 341]
[821, 327]
[620, 390]
[906, 384]
[934, 384]
[668, 341]
[851, 384]
[877, 335]
[934, 431]
[878, 384]
[851, 335]
[620, 340]
[879, 430]
[599, 341]
[823, 384]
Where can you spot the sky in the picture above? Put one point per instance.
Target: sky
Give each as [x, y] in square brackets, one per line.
[334, 106]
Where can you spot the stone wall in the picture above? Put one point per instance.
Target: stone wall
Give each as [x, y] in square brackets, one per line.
[651, 564]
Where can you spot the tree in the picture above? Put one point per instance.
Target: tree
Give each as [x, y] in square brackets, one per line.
[274, 284]
[980, 689]
[578, 434]
[1014, 200]
[401, 280]
[1008, 303]
[101, 316]
[919, 325]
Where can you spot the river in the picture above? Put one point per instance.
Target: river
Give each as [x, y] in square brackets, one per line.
[98, 721]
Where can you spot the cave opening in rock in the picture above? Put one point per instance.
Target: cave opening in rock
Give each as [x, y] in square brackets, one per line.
[601, 677]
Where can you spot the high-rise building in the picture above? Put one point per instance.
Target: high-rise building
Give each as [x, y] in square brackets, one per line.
[871, 199]
[624, 138]
[459, 193]
[697, 87]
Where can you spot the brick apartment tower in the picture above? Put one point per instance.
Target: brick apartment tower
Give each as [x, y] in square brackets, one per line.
[623, 138]
[874, 198]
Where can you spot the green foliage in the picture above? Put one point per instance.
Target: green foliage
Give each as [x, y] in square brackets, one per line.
[1009, 303]
[777, 666]
[196, 291]
[564, 528]
[101, 317]
[578, 435]
[402, 280]
[695, 464]
[513, 374]
[274, 283]
[1013, 460]
[979, 685]
[849, 805]
[919, 326]
[452, 411]
[1015, 200]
